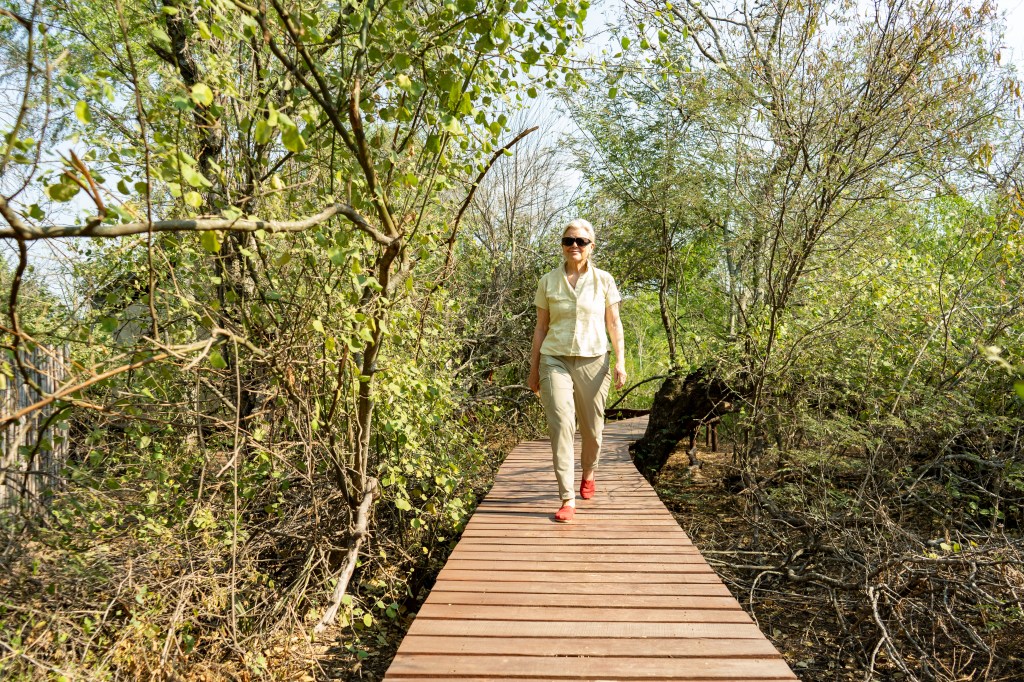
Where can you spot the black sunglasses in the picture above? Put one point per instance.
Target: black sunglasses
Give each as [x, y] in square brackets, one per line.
[578, 241]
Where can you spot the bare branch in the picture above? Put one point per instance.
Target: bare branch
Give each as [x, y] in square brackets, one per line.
[472, 192]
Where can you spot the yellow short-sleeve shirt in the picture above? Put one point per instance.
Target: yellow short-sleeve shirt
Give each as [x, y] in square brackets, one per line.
[577, 315]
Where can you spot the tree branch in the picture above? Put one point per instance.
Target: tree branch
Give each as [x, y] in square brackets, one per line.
[472, 192]
[19, 229]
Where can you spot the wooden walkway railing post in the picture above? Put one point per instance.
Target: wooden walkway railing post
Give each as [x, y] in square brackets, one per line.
[618, 594]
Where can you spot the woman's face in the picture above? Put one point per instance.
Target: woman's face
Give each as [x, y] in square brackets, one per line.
[577, 254]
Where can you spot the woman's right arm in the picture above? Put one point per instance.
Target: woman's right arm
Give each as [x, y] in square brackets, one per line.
[540, 332]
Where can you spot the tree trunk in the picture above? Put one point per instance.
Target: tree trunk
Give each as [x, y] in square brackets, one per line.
[681, 405]
[666, 318]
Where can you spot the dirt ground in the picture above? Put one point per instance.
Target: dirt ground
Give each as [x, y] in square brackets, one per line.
[705, 503]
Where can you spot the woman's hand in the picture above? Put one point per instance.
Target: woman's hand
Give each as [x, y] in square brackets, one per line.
[534, 381]
[613, 323]
[620, 375]
[540, 332]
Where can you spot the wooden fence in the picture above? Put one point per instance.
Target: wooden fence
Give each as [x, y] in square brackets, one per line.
[34, 451]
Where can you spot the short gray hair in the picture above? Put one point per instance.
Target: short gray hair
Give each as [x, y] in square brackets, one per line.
[581, 224]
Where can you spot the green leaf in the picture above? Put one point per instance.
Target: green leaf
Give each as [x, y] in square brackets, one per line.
[500, 30]
[263, 132]
[217, 360]
[62, 191]
[210, 241]
[336, 255]
[403, 504]
[404, 82]
[624, 42]
[83, 113]
[292, 139]
[194, 177]
[160, 38]
[451, 124]
[318, 326]
[193, 199]
[202, 95]
[367, 620]
[1019, 388]
[290, 135]
[204, 30]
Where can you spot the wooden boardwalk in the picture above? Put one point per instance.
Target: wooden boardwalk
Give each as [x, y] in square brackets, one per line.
[618, 594]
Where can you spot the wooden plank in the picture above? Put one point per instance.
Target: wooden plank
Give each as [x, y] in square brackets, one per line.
[519, 553]
[580, 522]
[617, 501]
[668, 545]
[540, 481]
[581, 566]
[606, 517]
[579, 530]
[548, 504]
[598, 647]
[582, 668]
[491, 678]
[622, 508]
[439, 596]
[591, 614]
[581, 629]
[573, 576]
[593, 589]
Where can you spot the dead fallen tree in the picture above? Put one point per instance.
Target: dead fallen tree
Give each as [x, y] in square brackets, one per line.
[681, 406]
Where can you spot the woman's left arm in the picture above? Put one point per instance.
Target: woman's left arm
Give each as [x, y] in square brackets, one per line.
[614, 325]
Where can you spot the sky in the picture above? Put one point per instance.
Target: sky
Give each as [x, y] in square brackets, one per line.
[1014, 39]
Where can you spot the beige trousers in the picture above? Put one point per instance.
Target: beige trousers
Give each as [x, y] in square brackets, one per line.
[573, 389]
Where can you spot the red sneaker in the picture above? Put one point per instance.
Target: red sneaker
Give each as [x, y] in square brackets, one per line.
[587, 489]
[565, 514]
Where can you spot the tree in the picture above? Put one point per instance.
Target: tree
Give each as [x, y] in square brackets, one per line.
[841, 121]
[277, 173]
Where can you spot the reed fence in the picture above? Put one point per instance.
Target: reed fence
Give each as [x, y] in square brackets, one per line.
[34, 449]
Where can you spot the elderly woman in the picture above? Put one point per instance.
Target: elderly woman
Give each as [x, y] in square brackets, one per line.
[569, 363]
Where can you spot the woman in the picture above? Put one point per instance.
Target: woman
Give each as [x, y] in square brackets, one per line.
[576, 304]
